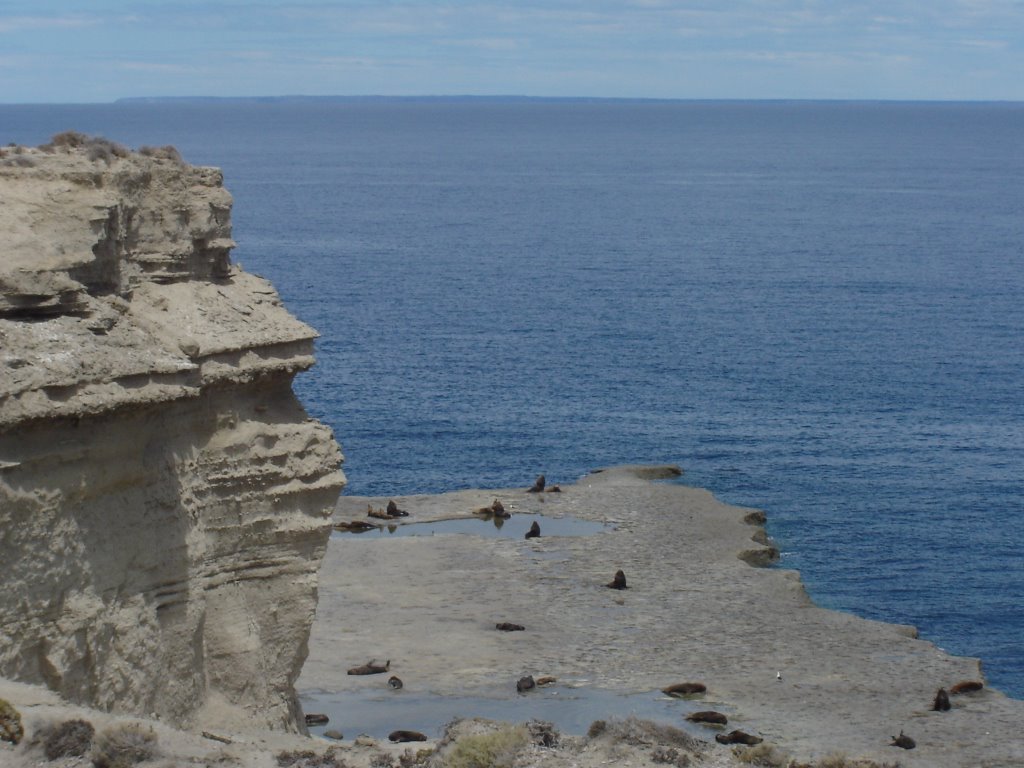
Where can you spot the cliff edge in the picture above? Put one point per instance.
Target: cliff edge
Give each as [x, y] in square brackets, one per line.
[165, 500]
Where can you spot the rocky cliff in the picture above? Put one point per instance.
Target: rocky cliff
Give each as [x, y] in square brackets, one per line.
[164, 498]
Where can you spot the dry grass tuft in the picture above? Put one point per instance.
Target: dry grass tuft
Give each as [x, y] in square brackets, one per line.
[122, 746]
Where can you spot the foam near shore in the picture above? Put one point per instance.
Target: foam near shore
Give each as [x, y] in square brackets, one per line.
[696, 609]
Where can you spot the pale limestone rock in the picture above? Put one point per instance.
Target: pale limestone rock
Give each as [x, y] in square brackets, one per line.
[164, 499]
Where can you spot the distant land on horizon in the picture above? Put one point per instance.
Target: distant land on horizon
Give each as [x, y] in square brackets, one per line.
[517, 98]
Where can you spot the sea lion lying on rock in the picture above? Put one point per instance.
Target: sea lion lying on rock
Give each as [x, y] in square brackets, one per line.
[379, 514]
[398, 736]
[738, 737]
[966, 686]
[534, 531]
[619, 582]
[394, 511]
[903, 742]
[316, 719]
[507, 626]
[369, 668]
[356, 526]
[395, 682]
[497, 509]
[526, 684]
[708, 716]
[684, 689]
[546, 680]
[941, 703]
[538, 485]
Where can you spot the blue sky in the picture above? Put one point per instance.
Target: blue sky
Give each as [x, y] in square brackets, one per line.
[59, 51]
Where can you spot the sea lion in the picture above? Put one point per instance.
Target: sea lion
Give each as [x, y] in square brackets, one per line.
[538, 485]
[966, 686]
[394, 511]
[316, 719]
[941, 702]
[369, 668]
[534, 531]
[554, 489]
[903, 742]
[395, 682]
[526, 683]
[508, 626]
[380, 514]
[397, 736]
[619, 582]
[356, 526]
[738, 737]
[708, 716]
[684, 689]
[546, 680]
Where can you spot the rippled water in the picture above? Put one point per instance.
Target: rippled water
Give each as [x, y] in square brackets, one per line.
[815, 308]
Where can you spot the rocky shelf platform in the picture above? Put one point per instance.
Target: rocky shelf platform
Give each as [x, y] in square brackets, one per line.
[696, 609]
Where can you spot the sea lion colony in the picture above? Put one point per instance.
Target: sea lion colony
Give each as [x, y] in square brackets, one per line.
[527, 683]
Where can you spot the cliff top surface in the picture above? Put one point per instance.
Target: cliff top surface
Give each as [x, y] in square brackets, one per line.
[116, 284]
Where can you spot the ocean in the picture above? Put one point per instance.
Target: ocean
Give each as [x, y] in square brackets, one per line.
[815, 308]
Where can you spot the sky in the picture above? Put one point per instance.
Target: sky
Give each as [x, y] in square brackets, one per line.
[57, 51]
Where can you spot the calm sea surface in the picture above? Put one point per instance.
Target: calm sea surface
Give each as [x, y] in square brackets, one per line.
[814, 308]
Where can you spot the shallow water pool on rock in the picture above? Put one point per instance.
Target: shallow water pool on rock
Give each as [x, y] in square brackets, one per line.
[514, 527]
[572, 710]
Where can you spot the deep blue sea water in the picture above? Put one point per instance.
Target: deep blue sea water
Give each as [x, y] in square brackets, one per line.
[815, 308]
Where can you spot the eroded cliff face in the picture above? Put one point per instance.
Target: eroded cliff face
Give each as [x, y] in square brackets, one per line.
[164, 498]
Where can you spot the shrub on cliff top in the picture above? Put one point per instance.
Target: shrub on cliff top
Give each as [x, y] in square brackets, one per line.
[97, 148]
[71, 738]
[162, 153]
[10, 723]
[497, 749]
[122, 746]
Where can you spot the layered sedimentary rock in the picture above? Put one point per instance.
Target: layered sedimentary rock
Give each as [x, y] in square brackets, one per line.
[164, 498]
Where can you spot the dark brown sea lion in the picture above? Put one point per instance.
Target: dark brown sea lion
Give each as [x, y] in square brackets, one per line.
[508, 626]
[394, 511]
[316, 719]
[966, 686]
[356, 526]
[708, 716]
[684, 689]
[397, 736]
[738, 737]
[394, 682]
[903, 742]
[538, 485]
[534, 531]
[369, 668]
[941, 703]
[526, 684]
[619, 582]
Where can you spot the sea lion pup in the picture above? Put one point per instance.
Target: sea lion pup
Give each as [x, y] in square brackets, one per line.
[395, 682]
[316, 719]
[397, 736]
[534, 532]
[369, 668]
[538, 485]
[554, 489]
[941, 703]
[708, 716]
[619, 582]
[738, 737]
[394, 511]
[903, 742]
[508, 626]
[684, 689]
[526, 684]
[966, 686]
[380, 514]
[546, 680]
